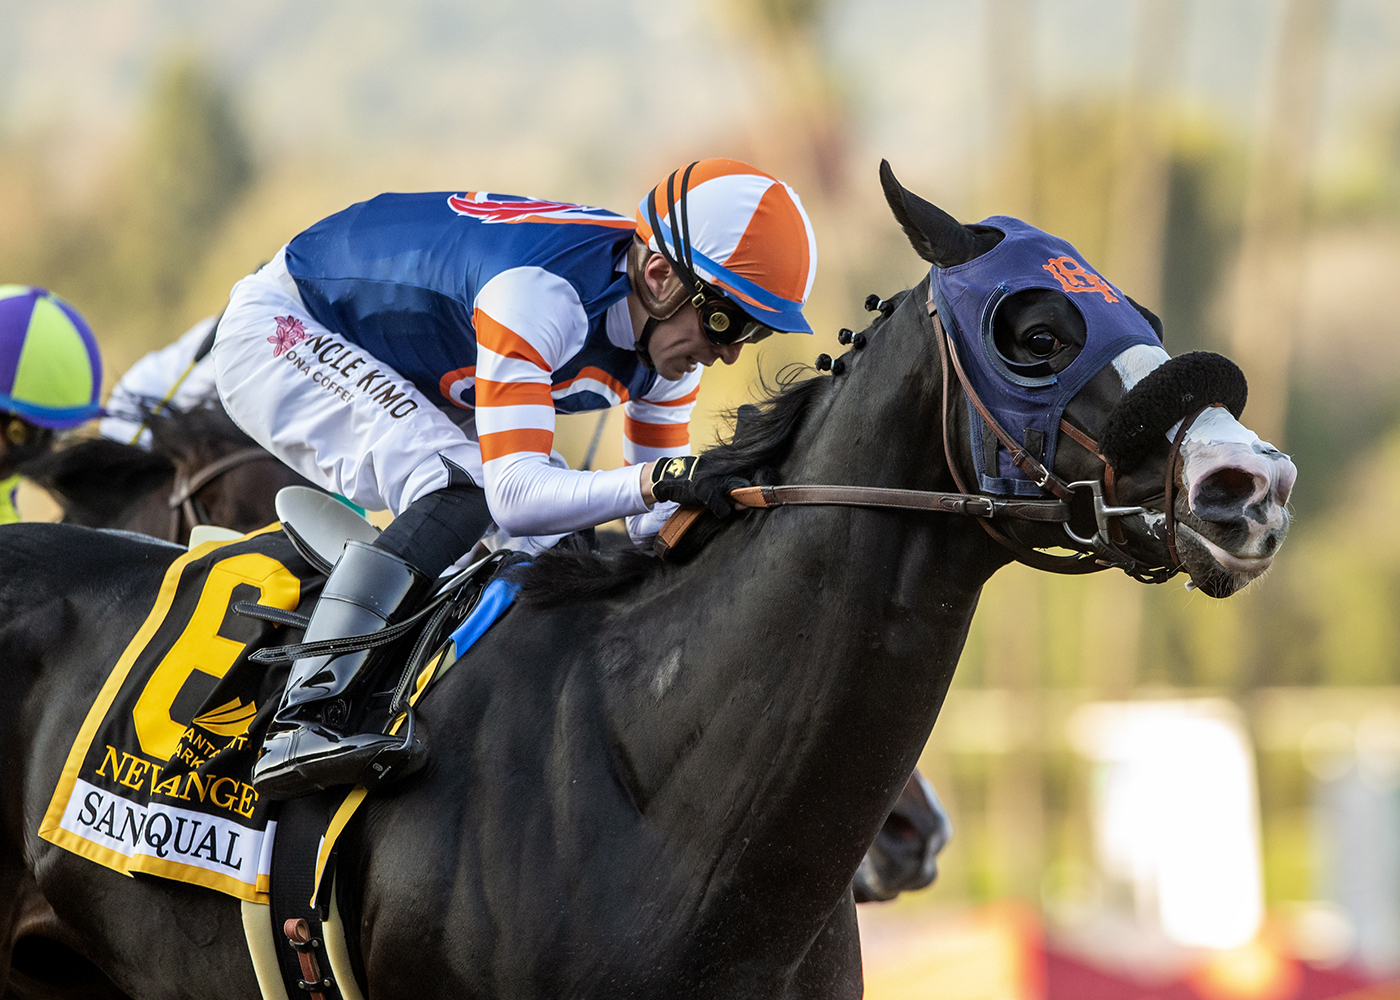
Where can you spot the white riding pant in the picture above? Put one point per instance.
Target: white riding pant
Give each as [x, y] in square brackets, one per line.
[343, 419]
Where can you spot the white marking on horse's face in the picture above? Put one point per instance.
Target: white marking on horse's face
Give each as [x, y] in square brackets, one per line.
[1237, 488]
[1136, 362]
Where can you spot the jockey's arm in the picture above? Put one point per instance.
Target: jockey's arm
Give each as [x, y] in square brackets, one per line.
[527, 326]
[657, 426]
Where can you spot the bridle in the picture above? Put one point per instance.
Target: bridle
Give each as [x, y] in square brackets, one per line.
[1096, 552]
[185, 509]
[1099, 551]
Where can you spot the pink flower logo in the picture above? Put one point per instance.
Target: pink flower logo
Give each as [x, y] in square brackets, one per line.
[290, 332]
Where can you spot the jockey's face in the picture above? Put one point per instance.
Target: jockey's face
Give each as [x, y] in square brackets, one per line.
[679, 344]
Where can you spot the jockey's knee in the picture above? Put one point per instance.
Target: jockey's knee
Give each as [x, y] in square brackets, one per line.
[438, 528]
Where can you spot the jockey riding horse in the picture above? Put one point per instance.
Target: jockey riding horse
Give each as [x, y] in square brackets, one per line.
[411, 353]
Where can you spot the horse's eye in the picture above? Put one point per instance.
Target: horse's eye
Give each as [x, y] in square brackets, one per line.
[1042, 343]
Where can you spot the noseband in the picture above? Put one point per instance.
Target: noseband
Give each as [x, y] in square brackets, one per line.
[1096, 552]
[185, 508]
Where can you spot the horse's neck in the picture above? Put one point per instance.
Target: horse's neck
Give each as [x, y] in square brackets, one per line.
[803, 663]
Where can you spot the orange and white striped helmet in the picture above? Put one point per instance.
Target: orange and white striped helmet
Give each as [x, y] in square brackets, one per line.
[738, 230]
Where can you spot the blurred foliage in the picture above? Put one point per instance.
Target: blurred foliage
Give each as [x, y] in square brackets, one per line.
[1365, 187]
[128, 258]
[1205, 199]
[779, 17]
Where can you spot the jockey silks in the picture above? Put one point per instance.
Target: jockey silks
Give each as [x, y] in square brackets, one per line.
[400, 275]
[1029, 407]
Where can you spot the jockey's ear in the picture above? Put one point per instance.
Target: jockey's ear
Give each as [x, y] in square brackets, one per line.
[655, 283]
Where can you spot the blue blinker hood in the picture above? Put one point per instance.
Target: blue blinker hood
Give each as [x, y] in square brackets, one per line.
[1029, 408]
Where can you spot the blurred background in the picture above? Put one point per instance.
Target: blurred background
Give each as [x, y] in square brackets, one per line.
[1154, 794]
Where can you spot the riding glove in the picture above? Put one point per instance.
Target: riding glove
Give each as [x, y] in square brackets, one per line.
[683, 479]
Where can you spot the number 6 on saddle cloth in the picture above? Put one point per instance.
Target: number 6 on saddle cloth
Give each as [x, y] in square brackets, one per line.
[157, 781]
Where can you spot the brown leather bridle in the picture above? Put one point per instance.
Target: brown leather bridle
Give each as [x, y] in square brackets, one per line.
[185, 508]
[1099, 551]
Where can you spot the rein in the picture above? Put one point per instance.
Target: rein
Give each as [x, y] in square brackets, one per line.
[185, 508]
[1097, 552]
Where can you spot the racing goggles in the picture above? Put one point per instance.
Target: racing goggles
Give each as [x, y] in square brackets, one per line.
[723, 322]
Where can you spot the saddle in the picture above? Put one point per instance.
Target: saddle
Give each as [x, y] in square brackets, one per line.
[299, 943]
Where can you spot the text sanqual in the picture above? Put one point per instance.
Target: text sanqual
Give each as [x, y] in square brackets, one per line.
[169, 832]
[342, 371]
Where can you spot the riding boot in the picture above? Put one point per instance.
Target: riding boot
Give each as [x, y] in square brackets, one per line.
[312, 742]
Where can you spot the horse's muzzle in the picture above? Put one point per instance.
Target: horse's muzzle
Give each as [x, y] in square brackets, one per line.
[1233, 512]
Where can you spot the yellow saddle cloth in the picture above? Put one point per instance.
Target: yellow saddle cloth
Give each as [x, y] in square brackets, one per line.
[157, 780]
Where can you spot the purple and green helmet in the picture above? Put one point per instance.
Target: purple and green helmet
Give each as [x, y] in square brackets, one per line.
[50, 367]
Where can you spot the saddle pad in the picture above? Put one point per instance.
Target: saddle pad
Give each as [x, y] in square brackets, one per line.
[157, 780]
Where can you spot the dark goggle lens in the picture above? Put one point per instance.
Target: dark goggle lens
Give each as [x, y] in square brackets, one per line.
[725, 323]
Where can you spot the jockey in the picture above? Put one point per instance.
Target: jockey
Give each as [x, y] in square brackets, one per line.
[50, 377]
[179, 376]
[411, 353]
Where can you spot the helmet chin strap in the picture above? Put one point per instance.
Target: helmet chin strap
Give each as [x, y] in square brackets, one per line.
[657, 308]
[682, 266]
[644, 343]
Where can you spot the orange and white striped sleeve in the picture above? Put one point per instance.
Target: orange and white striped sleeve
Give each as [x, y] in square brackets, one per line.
[528, 322]
[658, 424]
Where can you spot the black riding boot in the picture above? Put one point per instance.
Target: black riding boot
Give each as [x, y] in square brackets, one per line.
[311, 744]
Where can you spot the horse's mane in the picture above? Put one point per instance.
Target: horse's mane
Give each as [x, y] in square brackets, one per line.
[762, 438]
[195, 435]
[95, 479]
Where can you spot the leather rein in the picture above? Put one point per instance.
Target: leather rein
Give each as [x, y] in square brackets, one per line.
[1096, 552]
[185, 508]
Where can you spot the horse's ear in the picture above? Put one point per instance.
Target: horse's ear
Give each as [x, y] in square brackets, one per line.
[937, 237]
[1151, 317]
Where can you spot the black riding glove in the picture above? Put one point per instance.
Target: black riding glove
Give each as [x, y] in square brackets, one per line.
[683, 480]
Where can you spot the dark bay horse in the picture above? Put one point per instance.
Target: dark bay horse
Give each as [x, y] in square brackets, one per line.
[650, 779]
[101, 483]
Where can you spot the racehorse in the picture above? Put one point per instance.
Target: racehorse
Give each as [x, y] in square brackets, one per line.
[201, 470]
[204, 470]
[650, 779]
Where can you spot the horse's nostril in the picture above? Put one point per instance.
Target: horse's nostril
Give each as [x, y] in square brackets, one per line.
[1226, 488]
[1270, 544]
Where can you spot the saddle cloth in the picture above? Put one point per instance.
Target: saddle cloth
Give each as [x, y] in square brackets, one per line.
[157, 779]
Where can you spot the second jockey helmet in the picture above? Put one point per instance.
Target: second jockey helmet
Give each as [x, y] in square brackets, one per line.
[50, 366]
[725, 226]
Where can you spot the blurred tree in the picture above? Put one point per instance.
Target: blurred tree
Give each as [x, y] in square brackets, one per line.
[1138, 210]
[1267, 300]
[191, 169]
[1201, 236]
[128, 258]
